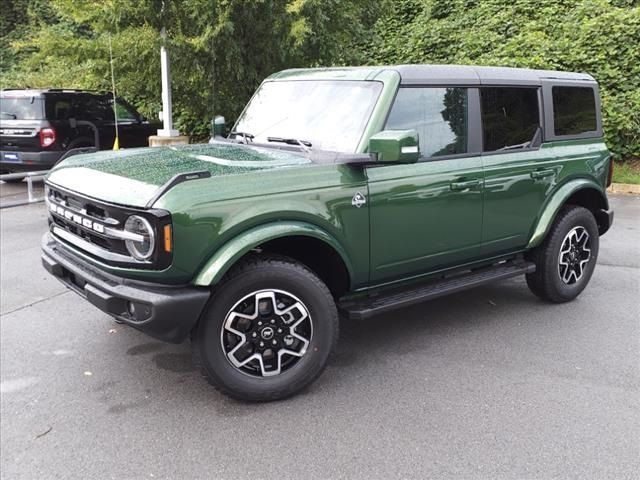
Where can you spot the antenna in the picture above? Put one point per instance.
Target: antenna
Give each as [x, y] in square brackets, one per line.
[116, 143]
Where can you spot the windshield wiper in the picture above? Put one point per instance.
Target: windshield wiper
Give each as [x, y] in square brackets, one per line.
[305, 144]
[7, 114]
[247, 137]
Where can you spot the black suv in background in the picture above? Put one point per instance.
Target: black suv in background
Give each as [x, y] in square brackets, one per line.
[38, 126]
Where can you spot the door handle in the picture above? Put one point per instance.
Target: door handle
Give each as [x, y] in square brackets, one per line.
[537, 174]
[458, 186]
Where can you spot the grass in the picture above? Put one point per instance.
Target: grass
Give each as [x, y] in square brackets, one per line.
[627, 172]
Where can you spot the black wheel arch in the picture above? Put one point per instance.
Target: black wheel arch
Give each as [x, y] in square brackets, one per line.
[320, 257]
[596, 202]
[81, 142]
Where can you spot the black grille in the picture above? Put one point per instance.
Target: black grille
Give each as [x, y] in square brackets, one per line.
[88, 225]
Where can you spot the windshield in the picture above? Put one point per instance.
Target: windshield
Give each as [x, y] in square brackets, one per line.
[328, 115]
[21, 108]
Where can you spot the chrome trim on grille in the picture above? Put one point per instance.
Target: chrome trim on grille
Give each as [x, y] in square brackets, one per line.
[81, 219]
[123, 235]
[91, 248]
[93, 227]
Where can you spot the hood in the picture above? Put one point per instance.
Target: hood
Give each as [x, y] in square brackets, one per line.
[133, 177]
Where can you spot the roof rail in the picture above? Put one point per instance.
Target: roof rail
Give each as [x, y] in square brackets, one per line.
[51, 89]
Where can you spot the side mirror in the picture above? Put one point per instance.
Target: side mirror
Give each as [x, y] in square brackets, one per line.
[398, 146]
[218, 126]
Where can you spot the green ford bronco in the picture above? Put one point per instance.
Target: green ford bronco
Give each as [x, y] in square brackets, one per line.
[352, 190]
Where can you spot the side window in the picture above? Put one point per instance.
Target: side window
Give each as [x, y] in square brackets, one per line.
[124, 114]
[94, 109]
[510, 117]
[574, 110]
[438, 114]
[58, 108]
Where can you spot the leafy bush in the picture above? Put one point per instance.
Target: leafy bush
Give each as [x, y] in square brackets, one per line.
[600, 37]
[221, 49]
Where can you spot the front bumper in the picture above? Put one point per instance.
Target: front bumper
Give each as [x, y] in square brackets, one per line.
[164, 312]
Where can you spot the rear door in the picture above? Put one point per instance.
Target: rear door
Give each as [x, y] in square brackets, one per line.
[519, 171]
[97, 110]
[428, 215]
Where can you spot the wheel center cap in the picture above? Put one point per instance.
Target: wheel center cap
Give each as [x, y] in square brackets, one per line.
[267, 333]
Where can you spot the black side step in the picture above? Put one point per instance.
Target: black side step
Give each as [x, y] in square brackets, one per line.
[368, 306]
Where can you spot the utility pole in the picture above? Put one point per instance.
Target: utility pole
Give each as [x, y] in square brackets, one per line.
[167, 120]
[167, 135]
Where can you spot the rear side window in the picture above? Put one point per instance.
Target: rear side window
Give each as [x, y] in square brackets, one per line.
[574, 110]
[21, 108]
[510, 117]
[93, 108]
[438, 114]
[58, 107]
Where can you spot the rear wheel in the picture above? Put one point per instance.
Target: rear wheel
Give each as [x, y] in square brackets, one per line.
[268, 330]
[567, 258]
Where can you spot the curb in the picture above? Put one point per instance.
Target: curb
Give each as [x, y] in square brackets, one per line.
[624, 188]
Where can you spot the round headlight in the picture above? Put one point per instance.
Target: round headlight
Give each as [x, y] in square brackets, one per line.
[143, 248]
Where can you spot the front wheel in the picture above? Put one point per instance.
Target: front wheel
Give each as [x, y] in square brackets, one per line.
[268, 330]
[566, 259]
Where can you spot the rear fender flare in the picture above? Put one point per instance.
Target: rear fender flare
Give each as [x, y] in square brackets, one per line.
[553, 205]
[227, 255]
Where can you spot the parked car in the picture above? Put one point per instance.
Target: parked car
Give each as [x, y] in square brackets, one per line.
[355, 189]
[37, 127]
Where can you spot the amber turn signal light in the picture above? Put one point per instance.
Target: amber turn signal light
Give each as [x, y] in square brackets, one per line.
[167, 239]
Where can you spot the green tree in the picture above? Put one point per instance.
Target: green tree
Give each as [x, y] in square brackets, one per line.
[600, 37]
[220, 50]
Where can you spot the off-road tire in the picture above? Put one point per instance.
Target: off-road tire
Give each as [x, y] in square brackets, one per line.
[254, 274]
[546, 282]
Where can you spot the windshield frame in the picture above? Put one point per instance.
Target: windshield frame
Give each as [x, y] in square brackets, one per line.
[365, 127]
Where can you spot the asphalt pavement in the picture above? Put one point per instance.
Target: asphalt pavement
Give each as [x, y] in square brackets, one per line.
[17, 192]
[490, 383]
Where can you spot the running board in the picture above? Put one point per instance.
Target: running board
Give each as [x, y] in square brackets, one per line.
[368, 306]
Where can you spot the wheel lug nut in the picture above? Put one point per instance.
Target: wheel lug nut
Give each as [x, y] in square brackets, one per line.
[254, 334]
[261, 344]
[279, 330]
[259, 323]
[273, 320]
[275, 342]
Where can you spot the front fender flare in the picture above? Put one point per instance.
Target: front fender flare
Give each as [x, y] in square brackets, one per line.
[227, 255]
[553, 205]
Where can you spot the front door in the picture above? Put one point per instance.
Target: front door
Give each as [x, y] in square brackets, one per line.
[428, 215]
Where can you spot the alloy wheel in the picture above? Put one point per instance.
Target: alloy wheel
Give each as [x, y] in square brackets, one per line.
[266, 333]
[574, 256]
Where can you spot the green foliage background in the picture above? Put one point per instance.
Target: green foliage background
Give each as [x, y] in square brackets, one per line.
[221, 49]
[600, 37]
